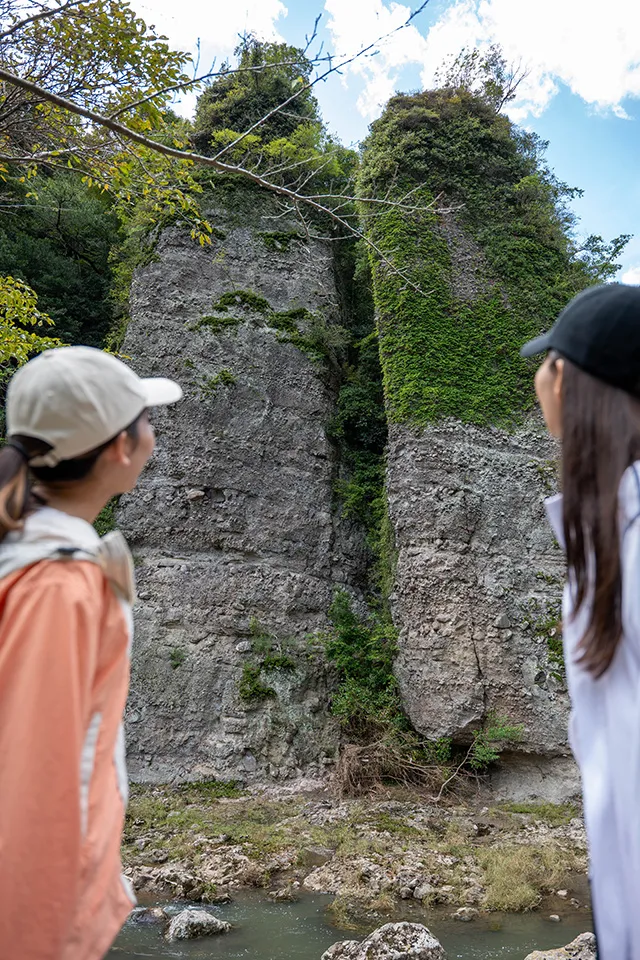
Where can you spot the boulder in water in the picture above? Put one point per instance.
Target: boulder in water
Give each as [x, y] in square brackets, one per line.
[284, 895]
[193, 923]
[465, 914]
[582, 948]
[150, 915]
[394, 941]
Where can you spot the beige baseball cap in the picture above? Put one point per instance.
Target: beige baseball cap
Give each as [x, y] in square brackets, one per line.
[78, 398]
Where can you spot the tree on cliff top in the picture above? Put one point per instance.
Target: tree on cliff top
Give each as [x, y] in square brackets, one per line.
[290, 147]
[266, 75]
[485, 73]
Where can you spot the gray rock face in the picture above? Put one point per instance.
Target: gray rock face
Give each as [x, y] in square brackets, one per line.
[582, 948]
[237, 549]
[193, 923]
[393, 941]
[478, 585]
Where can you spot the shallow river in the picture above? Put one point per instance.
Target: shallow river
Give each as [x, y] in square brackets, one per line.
[301, 931]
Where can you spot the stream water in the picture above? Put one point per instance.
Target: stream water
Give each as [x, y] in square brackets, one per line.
[301, 931]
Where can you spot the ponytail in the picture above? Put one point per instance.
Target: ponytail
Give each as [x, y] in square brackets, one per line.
[16, 470]
[14, 480]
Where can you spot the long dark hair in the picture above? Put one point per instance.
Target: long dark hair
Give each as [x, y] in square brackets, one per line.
[16, 498]
[600, 439]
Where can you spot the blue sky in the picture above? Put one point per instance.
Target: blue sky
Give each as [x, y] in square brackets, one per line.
[582, 92]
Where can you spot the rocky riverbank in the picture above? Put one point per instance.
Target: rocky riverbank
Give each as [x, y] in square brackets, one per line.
[380, 856]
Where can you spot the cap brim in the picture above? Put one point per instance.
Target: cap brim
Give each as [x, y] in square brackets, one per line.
[538, 345]
[160, 391]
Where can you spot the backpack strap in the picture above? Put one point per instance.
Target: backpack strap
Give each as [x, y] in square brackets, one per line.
[114, 559]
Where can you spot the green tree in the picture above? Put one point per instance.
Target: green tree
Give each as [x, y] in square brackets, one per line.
[101, 59]
[288, 147]
[265, 75]
[22, 325]
[599, 258]
[485, 73]
[23, 331]
[57, 237]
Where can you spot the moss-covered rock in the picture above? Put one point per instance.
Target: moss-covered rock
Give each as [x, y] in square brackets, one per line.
[446, 354]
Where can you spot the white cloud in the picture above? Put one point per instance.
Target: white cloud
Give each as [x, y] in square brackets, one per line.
[596, 56]
[595, 53]
[217, 24]
[632, 275]
[359, 23]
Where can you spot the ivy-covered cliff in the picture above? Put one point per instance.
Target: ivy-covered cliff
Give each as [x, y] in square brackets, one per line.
[489, 266]
[483, 259]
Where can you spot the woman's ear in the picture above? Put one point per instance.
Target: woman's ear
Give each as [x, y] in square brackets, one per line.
[119, 450]
[557, 383]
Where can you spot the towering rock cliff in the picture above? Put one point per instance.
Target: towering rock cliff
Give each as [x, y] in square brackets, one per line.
[477, 589]
[237, 545]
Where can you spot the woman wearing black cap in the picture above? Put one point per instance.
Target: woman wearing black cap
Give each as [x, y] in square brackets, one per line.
[589, 391]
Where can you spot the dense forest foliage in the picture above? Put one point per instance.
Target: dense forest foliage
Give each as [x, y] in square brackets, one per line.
[57, 236]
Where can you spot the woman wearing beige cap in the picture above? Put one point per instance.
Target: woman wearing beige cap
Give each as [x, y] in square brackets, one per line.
[78, 426]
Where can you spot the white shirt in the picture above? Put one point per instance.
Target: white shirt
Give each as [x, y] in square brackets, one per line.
[604, 733]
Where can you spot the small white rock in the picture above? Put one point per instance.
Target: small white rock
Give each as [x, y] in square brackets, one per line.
[423, 891]
[193, 923]
[563, 893]
[555, 918]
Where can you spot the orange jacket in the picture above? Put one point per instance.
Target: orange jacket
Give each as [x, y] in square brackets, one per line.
[64, 674]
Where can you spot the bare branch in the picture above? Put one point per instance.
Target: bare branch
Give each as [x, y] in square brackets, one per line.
[197, 80]
[196, 65]
[517, 74]
[454, 774]
[314, 34]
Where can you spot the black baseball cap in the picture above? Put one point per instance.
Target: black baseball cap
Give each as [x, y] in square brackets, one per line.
[599, 331]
